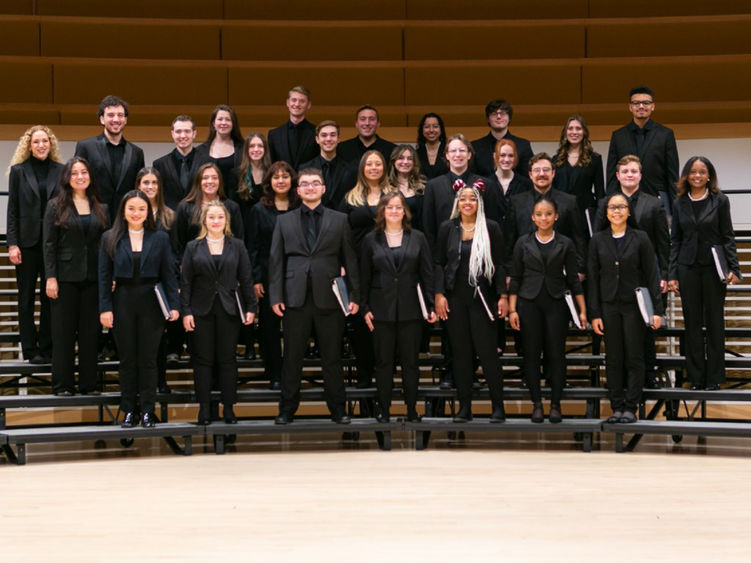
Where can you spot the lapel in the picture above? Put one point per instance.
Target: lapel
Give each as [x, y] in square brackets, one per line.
[533, 250]
[31, 178]
[148, 244]
[708, 209]
[610, 242]
[323, 227]
[203, 249]
[57, 169]
[104, 157]
[173, 171]
[126, 162]
[406, 243]
[639, 209]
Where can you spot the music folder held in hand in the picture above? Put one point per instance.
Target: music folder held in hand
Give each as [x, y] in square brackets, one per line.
[423, 306]
[646, 307]
[720, 262]
[161, 298]
[572, 309]
[339, 287]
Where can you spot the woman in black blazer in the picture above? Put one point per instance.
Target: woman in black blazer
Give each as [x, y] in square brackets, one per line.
[505, 182]
[215, 284]
[431, 146]
[34, 173]
[278, 197]
[394, 265]
[701, 222]
[225, 146]
[134, 258]
[622, 259]
[544, 267]
[578, 168]
[470, 295]
[73, 225]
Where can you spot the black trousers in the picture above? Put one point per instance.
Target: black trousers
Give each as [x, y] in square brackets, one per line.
[468, 325]
[362, 346]
[703, 302]
[75, 317]
[624, 346]
[214, 346]
[269, 341]
[544, 322]
[138, 330]
[329, 325]
[33, 342]
[389, 339]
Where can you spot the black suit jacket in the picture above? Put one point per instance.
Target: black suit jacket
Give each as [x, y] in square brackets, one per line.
[68, 251]
[529, 272]
[111, 189]
[483, 163]
[184, 229]
[692, 238]
[649, 216]
[201, 280]
[291, 262]
[586, 183]
[24, 204]
[339, 176]
[659, 158]
[306, 144]
[156, 263]
[173, 190]
[497, 203]
[519, 222]
[388, 291]
[614, 275]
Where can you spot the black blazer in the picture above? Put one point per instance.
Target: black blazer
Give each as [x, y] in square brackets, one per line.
[483, 162]
[659, 157]
[447, 256]
[184, 229]
[69, 251]
[649, 216]
[390, 293]
[692, 239]
[201, 280]
[291, 261]
[173, 190]
[111, 189]
[519, 222]
[529, 272]
[586, 183]
[307, 148]
[339, 176]
[361, 221]
[497, 203]
[258, 239]
[156, 263]
[24, 203]
[614, 275]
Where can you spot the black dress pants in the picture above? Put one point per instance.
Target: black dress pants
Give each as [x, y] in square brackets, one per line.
[214, 346]
[329, 325]
[624, 346]
[75, 317]
[270, 341]
[362, 347]
[390, 338]
[33, 342]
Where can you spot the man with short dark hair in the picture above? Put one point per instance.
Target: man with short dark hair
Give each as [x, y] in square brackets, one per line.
[113, 161]
[179, 166]
[498, 114]
[653, 143]
[339, 176]
[367, 122]
[294, 142]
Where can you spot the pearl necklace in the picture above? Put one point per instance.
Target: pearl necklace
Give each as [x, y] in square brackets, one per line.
[215, 240]
[135, 232]
[466, 230]
[701, 197]
[396, 234]
[544, 241]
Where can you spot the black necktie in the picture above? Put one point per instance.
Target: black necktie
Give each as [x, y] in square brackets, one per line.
[184, 174]
[310, 235]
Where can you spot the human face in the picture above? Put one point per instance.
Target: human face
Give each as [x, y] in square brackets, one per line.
[574, 132]
[468, 203]
[373, 169]
[327, 139]
[458, 155]
[629, 176]
[505, 158]
[298, 105]
[256, 149]
[79, 177]
[641, 106]
[617, 211]
[281, 182]
[499, 120]
[544, 216]
[114, 120]
[367, 123]
[405, 162]
[215, 221]
[40, 145]
[149, 185]
[136, 211]
[183, 134]
[542, 175]
[431, 130]
[310, 188]
[223, 122]
[210, 183]
[698, 176]
[394, 212]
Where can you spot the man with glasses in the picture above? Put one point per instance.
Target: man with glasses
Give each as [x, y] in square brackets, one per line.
[309, 248]
[653, 143]
[498, 114]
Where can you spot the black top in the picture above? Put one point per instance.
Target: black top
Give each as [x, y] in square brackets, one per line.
[396, 252]
[586, 183]
[415, 208]
[339, 176]
[352, 150]
[483, 162]
[462, 290]
[41, 172]
[116, 153]
[136, 267]
[428, 170]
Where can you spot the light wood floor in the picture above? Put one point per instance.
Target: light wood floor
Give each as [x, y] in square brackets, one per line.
[316, 499]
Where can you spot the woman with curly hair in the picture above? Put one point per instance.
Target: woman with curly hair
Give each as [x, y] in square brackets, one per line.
[405, 177]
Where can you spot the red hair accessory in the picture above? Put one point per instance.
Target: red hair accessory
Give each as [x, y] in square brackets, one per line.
[459, 184]
[479, 185]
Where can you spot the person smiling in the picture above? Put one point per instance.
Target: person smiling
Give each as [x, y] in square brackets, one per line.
[505, 182]
[367, 121]
[224, 145]
[338, 174]
[294, 142]
[431, 146]
[406, 178]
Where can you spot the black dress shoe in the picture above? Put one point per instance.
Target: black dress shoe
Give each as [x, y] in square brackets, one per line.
[38, 359]
[283, 418]
[229, 415]
[627, 417]
[383, 417]
[555, 414]
[464, 415]
[341, 418]
[697, 388]
[538, 415]
[250, 353]
[615, 417]
[164, 389]
[412, 415]
[203, 415]
[447, 381]
[148, 420]
[275, 386]
[129, 421]
[64, 393]
[94, 392]
[498, 414]
[713, 387]
[173, 358]
[651, 382]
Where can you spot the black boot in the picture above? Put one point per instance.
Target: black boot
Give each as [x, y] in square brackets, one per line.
[229, 415]
[464, 414]
[537, 414]
[499, 413]
[203, 414]
[412, 415]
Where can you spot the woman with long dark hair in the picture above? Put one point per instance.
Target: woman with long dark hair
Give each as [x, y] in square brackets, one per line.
[431, 146]
[225, 145]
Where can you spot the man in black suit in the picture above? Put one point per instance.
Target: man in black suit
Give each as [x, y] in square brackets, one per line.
[179, 166]
[498, 114]
[339, 176]
[367, 122]
[113, 162]
[309, 248]
[294, 142]
[653, 143]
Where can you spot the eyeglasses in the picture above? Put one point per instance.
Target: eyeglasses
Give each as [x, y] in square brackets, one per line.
[315, 184]
[542, 170]
[617, 207]
[641, 103]
[499, 113]
[461, 150]
[394, 208]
